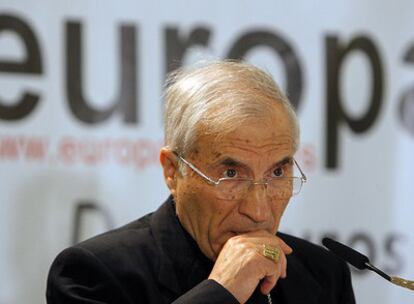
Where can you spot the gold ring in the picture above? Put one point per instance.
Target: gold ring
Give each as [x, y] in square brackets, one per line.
[272, 253]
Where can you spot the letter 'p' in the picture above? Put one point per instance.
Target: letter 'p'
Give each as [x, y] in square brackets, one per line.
[336, 53]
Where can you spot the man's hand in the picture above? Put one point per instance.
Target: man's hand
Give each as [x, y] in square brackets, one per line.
[241, 265]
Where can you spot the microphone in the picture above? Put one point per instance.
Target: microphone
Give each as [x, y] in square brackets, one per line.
[360, 261]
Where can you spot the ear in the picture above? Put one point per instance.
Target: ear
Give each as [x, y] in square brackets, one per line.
[169, 165]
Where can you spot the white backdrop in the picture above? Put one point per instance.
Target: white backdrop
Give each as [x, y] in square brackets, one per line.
[69, 170]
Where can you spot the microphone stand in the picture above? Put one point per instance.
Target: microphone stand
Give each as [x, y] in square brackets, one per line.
[395, 280]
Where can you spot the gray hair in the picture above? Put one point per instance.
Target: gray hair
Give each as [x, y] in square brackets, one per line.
[216, 98]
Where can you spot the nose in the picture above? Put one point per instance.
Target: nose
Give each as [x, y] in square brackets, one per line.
[256, 204]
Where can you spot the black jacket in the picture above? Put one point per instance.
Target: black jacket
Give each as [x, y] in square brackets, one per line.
[154, 260]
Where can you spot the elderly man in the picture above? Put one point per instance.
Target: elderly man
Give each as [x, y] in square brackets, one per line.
[230, 136]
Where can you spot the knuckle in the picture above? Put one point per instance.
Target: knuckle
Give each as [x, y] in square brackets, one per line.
[235, 240]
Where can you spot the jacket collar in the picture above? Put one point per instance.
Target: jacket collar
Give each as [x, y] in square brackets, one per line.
[182, 265]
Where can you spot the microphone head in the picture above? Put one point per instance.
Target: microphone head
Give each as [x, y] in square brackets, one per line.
[350, 255]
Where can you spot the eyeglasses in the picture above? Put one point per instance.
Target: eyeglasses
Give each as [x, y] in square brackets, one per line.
[228, 188]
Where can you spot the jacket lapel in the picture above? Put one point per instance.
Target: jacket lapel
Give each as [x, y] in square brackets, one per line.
[181, 263]
[165, 236]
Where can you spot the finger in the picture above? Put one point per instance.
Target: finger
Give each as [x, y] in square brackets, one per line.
[269, 281]
[267, 284]
[283, 266]
[265, 237]
[285, 247]
[280, 263]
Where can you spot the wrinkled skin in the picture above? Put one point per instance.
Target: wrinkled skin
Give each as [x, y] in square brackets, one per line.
[232, 232]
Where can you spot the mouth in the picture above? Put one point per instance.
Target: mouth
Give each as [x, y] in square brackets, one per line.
[240, 232]
[247, 231]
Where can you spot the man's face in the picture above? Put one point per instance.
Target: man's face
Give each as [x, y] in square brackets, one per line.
[255, 150]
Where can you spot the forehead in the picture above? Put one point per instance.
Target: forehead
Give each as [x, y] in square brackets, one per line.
[257, 138]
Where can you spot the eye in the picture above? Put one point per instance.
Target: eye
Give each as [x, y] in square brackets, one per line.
[278, 172]
[229, 173]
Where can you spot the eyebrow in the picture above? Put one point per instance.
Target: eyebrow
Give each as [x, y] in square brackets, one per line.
[231, 162]
[284, 161]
